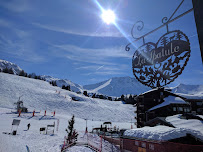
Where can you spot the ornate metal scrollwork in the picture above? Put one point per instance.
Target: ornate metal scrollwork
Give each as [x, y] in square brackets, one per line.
[164, 20]
[158, 64]
[139, 25]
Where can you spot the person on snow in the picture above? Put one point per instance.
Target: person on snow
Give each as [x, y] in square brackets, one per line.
[28, 126]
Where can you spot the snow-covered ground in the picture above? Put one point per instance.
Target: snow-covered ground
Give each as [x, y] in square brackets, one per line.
[40, 95]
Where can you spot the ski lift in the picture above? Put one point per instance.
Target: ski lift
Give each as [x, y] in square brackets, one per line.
[19, 106]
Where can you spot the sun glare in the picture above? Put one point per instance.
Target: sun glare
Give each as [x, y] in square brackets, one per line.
[108, 16]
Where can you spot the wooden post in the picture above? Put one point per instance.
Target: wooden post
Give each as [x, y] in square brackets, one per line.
[101, 144]
[198, 13]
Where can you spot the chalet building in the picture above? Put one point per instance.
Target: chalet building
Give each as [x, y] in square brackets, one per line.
[172, 105]
[196, 105]
[159, 102]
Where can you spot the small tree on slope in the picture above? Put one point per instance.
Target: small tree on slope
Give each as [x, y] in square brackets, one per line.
[72, 134]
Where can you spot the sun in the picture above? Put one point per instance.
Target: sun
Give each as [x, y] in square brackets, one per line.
[108, 16]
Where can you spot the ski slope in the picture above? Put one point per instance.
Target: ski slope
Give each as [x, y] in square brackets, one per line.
[101, 86]
[40, 95]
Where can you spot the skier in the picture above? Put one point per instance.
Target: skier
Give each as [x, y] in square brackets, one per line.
[28, 126]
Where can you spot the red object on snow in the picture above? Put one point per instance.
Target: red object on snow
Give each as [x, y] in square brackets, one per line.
[33, 114]
[54, 113]
[45, 113]
[19, 113]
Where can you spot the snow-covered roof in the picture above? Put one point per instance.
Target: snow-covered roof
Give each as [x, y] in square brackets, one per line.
[197, 95]
[169, 100]
[178, 122]
[152, 90]
[161, 133]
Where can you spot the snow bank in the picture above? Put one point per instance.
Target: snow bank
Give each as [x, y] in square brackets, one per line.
[192, 124]
[161, 133]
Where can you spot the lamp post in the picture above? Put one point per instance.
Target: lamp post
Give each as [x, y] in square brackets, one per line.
[86, 126]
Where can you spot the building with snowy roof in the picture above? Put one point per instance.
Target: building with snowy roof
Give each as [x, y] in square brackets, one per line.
[172, 105]
[162, 138]
[159, 102]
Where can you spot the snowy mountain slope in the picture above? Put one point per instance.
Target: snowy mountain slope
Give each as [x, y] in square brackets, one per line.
[60, 82]
[118, 86]
[189, 91]
[41, 95]
[6, 64]
[102, 86]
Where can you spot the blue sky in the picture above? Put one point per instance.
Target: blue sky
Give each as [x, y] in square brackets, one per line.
[68, 38]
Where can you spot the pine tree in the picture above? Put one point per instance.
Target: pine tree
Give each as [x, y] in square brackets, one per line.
[54, 83]
[110, 98]
[10, 71]
[101, 97]
[22, 73]
[5, 70]
[29, 75]
[94, 95]
[85, 93]
[68, 87]
[122, 97]
[72, 134]
[63, 87]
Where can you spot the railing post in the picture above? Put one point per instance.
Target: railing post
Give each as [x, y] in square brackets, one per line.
[101, 144]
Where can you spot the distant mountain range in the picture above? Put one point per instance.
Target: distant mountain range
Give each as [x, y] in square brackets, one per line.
[115, 86]
[60, 82]
[189, 91]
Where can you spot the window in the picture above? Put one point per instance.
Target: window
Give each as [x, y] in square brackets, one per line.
[136, 143]
[143, 145]
[180, 108]
[174, 108]
[186, 110]
[151, 146]
[199, 103]
[199, 110]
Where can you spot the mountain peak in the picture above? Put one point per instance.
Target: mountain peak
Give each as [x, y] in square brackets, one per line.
[6, 64]
[117, 86]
